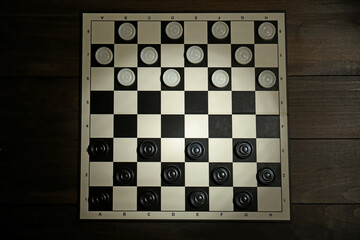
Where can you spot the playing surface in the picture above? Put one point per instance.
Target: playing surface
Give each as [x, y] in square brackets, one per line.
[184, 120]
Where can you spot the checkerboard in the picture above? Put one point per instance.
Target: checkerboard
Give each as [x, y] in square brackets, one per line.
[118, 120]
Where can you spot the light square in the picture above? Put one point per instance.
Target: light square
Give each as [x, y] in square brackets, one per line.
[196, 126]
[149, 126]
[102, 32]
[195, 32]
[102, 125]
[172, 149]
[196, 79]
[102, 79]
[125, 102]
[220, 150]
[125, 198]
[266, 55]
[220, 102]
[172, 55]
[125, 149]
[268, 149]
[219, 55]
[125, 55]
[243, 79]
[242, 32]
[149, 174]
[269, 199]
[244, 174]
[173, 198]
[149, 32]
[221, 199]
[172, 102]
[101, 173]
[267, 102]
[196, 174]
[244, 126]
[149, 79]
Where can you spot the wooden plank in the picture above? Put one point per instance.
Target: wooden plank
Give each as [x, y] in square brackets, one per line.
[61, 222]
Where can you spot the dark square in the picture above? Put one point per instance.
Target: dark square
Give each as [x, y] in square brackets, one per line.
[157, 205]
[267, 126]
[189, 206]
[180, 181]
[125, 126]
[220, 126]
[203, 63]
[94, 48]
[212, 39]
[196, 102]
[164, 36]
[128, 166]
[156, 157]
[211, 86]
[252, 156]
[95, 196]
[179, 87]
[107, 157]
[253, 193]
[234, 63]
[102, 102]
[260, 88]
[214, 166]
[243, 102]
[118, 86]
[204, 143]
[149, 102]
[118, 39]
[258, 39]
[157, 48]
[172, 126]
[276, 168]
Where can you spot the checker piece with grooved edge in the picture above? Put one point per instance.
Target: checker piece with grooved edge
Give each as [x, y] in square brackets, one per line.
[195, 150]
[171, 174]
[220, 30]
[104, 55]
[243, 149]
[267, 79]
[124, 176]
[195, 54]
[220, 78]
[147, 149]
[126, 77]
[243, 55]
[98, 148]
[220, 175]
[243, 200]
[171, 78]
[198, 198]
[266, 176]
[148, 199]
[267, 31]
[149, 55]
[127, 31]
[174, 30]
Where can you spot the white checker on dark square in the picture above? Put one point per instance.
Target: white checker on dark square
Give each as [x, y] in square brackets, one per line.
[105, 145]
[149, 32]
[219, 55]
[102, 32]
[267, 102]
[195, 32]
[242, 32]
[220, 126]
[268, 149]
[148, 174]
[102, 79]
[172, 174]
[212, 38]
[275, 168]
[204, 61]
[149, 102]
[189, 144]
[125, 149]
[197, 174]
[196, 79]
[149, 126]
[118, 39]
[250, 192]
[220, 150]
[101, 125]
[244, 150]
[102, 102]
[125, 198]
[220, 174]
[172, 150]
[165, 38]
[243, 79]
[126, 55]
[179, 87]
[243, 102]
[125, 102]
[266, 55]
[243, 126]
[149, 79]
[125, 126]
[100, 192]
[95, 48]
[221, 198]
[172, 102]
[196, 126]
[190, 192]
[143, 194]
[258, 87]
[125, 174]
[267, 126]
[173, 198]
[172, 126]
[234, 48]
[172, 55]
[244, 174]
[258, 39]
[220, 102]
[120, 87]
[269, 199]
[196, 102]
[211, 86]
[101, 174]
[157, 48]
[145, 143]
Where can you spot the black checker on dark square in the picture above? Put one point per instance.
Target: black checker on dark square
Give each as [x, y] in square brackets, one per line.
[189, 206]
[252, 191]
[243, 102]
[94, 48]
[220, 126]
[102, 102]
[101, 149]
[211, 86]
[196, 102]
[172, 126]
[203, 63]
[149, 102]
[267, 126]
[118, 39]
[156, 157]
[118, 86]
[204, 142]
[258, 87]
[258, 39]
[220, 168]
[125, 173]
[125, 126]
[244, 158]
[144, 203]
[179, 87]
[235, 47]
[276, 168]
[212, 39]
[156, 47]
[168, 178]
[164, 36]
[100, 199]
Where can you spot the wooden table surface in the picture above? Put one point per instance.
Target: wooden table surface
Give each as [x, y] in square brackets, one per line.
[39, 121]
